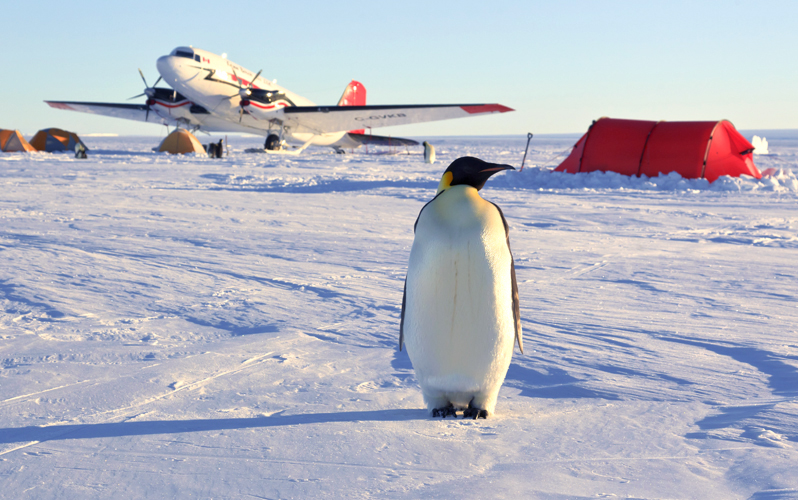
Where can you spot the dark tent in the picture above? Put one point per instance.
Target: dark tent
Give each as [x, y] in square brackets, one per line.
[55, 139]
[635, 147]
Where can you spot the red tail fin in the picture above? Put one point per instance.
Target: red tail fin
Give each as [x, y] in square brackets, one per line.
[354, 95]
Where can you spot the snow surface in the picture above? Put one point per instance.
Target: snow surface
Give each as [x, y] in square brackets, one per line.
[183, 327]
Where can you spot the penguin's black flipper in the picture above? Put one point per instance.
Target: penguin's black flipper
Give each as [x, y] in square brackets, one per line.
[516, 299]
[516, 304]
[402, 318]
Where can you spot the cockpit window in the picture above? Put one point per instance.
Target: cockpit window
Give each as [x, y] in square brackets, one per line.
[183, 53]
[197, 58]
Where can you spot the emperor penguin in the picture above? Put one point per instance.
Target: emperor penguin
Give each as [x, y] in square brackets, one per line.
[429, 153]
[460, 310]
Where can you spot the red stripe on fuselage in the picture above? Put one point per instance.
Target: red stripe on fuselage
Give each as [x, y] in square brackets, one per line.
[243, 82]
[268, 107]
[159, 103]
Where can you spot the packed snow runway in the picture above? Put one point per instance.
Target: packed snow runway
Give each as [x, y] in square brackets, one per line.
[194, 328]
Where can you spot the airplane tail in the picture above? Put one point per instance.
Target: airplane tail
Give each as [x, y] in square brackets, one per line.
[354, 95]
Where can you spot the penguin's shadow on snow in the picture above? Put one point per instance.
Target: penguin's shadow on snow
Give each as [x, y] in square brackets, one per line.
[402, 365]
[147, 428]
[553, 383]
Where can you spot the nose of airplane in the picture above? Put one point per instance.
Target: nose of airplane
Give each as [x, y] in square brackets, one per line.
[175, 71]
[166, 67]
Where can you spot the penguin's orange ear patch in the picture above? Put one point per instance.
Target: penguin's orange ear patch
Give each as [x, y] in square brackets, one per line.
[446, 181]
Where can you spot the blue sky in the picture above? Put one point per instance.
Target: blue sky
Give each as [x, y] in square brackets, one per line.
[559, 64]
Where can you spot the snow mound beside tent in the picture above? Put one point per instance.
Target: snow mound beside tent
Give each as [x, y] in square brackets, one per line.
[545, 179]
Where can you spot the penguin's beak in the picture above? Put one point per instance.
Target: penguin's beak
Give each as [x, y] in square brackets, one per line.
[484, 174]
[497, 168]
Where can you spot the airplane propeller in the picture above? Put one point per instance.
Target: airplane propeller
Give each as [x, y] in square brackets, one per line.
[149, 92]
[244, 93]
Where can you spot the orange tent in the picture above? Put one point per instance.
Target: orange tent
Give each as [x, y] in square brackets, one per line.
[180, 142]
[55, 139]
[634, 147]
[12, 140]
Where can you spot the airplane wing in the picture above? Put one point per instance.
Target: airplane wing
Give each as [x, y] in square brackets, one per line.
[381, 140]
[136, 112]
[191, 117]
[324, 119]
[312, 119]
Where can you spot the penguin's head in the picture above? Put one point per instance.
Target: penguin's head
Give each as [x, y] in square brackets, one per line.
[469, 171]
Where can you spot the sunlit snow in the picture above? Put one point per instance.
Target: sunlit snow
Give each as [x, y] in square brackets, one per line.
[183, 327]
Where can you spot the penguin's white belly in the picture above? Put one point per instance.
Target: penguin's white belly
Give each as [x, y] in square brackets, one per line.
[459, 326]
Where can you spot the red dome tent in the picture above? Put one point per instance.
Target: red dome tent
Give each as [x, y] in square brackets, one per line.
[635, 147]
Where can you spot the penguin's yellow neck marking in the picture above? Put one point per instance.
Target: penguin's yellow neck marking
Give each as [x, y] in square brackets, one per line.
[446, 182]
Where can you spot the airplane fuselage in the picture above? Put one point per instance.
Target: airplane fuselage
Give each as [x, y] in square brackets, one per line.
[234, 93]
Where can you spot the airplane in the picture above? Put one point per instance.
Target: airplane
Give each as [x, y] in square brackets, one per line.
[212, 94]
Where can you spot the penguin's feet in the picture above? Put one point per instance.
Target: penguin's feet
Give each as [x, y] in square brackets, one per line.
[444, 412]
[475, 413]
